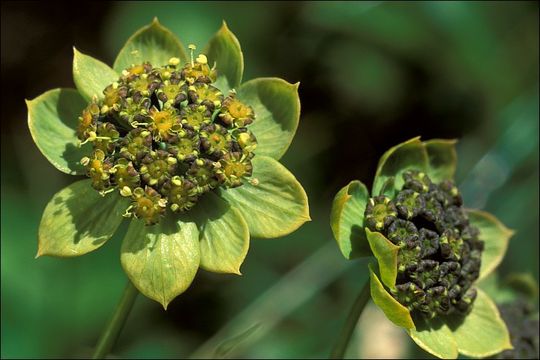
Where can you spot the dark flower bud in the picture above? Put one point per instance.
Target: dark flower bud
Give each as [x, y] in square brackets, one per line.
[426, 274]
[432, 210]
[451, 192]
[464, 304]
[417, 181]
[195, 116]
[172, 93]
[135, 111]
[449, 273]
[157, 167]
[106, 137]
[408, 256]
[401, 231]
[182, 194]
[409, 203]
[380, 212]
[202, 174]
[410, 294]
[185, 145]
[136, 144]
[451, 245]
[443, 257]
[429, 242]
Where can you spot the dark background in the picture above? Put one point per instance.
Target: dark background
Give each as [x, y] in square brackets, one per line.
[372, 74]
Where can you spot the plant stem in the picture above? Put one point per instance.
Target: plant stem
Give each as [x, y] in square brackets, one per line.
[116, 323]
[339, 349]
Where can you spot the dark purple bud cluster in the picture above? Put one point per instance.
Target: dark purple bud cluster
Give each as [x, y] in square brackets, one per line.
[439, 253]
[523, 328]
[164, 136]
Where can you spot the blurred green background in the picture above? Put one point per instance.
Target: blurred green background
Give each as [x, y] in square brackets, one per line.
[372, 74]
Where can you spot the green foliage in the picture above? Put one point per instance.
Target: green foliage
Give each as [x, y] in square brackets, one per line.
[393, 310]
[161, 260]
[400, 158]
[91, 76]
[224, 51]
[224, 235]
[496, 237]
[78, 220]
[277, 106]
[52, 119]
[346, 220]
[153, 43]
[275, 205]
[386, 254]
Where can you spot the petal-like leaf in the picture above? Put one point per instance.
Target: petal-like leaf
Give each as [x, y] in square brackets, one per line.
[276, 206]
[91, 76]
[78, 220]
[482, 332]
[153, 43]
[410, 154]
[394, 311]
[347, 220]
[442, 159]
[435, 337]
[277, 110]
[53, 120]
[161, 260]
[388, 188]
[495, 236]
[224, 235]
[386, 254]
[224, 51]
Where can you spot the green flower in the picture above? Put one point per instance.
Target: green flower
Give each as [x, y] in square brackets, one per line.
[177, 144]
[430, 250]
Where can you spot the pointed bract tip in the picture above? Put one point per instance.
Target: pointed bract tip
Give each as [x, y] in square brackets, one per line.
[224, 24]
[155, 21]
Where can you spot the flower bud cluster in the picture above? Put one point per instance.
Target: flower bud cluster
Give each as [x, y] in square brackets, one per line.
[523, 328]
[439, 250]
[164, 136]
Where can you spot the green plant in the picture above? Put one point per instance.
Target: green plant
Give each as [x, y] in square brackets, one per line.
[179, 145]
[430, 251]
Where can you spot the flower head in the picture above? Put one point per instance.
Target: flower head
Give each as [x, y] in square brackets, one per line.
[178, 145]
[430, 250]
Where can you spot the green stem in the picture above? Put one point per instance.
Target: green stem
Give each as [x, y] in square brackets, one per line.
[345, 336]
[116, 323]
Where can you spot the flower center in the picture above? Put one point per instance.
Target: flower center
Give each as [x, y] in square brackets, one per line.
[162, 138]
[439, 252]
